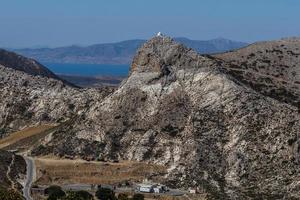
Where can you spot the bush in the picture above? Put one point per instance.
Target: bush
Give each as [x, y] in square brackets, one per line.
[138, 197]
[123, 196]
[2, 132]
[78, 195]
[105, 194]
[54, 192]
[10, 195]
[52, 189]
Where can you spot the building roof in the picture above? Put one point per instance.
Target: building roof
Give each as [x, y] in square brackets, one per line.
[146, 185]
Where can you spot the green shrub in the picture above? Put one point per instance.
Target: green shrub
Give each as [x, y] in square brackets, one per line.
[54, 192]
[2, 132]
[105, 194]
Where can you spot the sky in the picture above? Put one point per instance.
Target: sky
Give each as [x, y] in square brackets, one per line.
[53, 23]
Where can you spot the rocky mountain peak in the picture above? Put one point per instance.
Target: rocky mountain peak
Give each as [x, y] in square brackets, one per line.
[162, 54]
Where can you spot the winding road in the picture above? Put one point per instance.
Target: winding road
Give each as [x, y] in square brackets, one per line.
[29, 178]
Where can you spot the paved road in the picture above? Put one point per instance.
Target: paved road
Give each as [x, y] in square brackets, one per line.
[29, 178]
[88, 187]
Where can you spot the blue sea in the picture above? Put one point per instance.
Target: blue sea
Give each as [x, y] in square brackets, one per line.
[88, 69]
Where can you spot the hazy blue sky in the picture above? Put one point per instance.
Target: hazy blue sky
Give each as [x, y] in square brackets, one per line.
[27, 23]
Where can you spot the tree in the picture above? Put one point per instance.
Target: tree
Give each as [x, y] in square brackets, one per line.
[2, 132]
[105, 194]
[138, 197]
[123, 196]
[54, 192]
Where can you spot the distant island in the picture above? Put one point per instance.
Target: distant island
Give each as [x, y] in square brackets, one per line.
[120, 52]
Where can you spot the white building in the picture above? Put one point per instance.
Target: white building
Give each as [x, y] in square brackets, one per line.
[159, 34]
[147, 188]
[152, 188]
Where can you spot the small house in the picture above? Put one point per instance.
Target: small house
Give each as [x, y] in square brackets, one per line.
[147, 188]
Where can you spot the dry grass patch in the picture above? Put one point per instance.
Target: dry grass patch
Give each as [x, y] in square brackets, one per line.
[24, 134]
[57, 171]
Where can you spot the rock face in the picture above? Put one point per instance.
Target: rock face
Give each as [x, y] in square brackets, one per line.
[188, 112]
[28, 100]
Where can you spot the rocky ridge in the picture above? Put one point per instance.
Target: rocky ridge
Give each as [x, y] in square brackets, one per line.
[187, 112]
[271, 68]
[21, 63]
[28, 100]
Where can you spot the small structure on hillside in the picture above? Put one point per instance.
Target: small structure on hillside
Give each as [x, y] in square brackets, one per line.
[159, 34]
[147, 188]
[151, 188]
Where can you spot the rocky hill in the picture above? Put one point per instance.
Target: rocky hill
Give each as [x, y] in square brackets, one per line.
[21, 63]
[118, 53]
[28, 100]
[271, 68]
[213, 129]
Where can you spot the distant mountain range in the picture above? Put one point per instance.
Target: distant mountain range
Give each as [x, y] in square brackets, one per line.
[118, 53]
